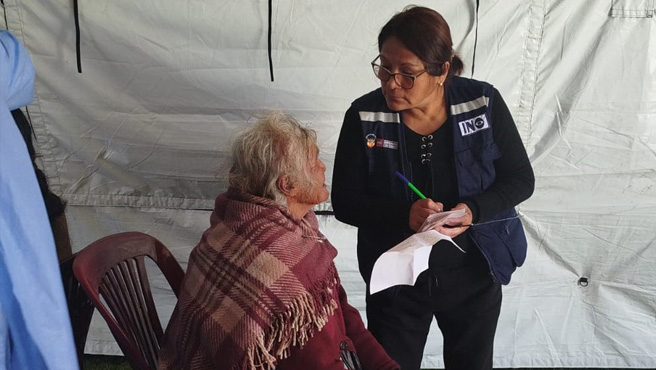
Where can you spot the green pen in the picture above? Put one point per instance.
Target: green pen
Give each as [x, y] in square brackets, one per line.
[407, 182]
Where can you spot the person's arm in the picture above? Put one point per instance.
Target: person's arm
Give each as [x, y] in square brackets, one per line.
[371, 354]
[16, 72]
[515, 180]
[350, 200]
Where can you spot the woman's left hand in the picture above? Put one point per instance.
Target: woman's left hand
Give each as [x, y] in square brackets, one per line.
[456, 226]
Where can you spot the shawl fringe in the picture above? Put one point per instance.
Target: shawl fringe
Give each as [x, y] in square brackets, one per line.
[304, 316]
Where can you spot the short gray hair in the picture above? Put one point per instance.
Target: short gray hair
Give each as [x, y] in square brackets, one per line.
[276, 145]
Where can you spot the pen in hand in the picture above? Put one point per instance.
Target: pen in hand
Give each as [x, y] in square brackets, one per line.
[407, 182]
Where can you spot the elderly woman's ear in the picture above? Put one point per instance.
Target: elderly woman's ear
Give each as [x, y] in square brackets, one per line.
[285, 185]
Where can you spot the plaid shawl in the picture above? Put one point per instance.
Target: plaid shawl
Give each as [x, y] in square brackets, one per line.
[259, 282]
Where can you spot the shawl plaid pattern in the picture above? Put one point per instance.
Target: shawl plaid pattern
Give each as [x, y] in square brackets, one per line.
[259, 282]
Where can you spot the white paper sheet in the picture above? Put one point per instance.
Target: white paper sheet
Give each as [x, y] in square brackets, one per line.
[402, 264]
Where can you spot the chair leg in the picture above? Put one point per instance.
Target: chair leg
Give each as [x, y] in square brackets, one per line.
[80, 308]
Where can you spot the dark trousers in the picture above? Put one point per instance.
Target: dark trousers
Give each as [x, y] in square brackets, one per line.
[466, 304]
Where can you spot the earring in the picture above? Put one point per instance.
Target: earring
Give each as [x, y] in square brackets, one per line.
[441, 83]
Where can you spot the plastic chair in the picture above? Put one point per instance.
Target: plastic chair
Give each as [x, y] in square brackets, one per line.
[114, 268]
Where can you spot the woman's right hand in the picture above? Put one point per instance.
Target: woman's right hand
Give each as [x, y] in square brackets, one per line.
[421, 209]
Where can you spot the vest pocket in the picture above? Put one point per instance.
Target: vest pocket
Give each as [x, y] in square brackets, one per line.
[511, 232]
[475, 169]
[503, 243]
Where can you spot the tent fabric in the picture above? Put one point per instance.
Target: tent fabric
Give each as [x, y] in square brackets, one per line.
[140, 139]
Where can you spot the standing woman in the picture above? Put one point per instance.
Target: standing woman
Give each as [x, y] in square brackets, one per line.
[455, 140]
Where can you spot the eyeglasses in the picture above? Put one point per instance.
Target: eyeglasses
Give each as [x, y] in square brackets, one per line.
[405, 80]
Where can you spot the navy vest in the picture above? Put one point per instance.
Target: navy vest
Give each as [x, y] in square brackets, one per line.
[501, 240]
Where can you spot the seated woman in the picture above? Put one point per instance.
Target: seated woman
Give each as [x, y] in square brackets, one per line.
[261, 289]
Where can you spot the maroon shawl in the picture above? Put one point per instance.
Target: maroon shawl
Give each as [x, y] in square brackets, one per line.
[259, 282]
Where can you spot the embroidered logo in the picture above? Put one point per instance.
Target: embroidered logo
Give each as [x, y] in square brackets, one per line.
[371, 140]
[389, 144]
[470, 126]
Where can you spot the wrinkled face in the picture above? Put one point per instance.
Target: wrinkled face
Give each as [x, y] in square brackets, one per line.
[396, 58]
[314, 191]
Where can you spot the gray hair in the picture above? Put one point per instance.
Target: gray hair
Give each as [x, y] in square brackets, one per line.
[276, 145]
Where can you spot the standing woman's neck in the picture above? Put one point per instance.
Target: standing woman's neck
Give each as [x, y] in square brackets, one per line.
[425, 119]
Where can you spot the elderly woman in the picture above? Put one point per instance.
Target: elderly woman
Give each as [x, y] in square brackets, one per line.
[261, 289]
[455, 140]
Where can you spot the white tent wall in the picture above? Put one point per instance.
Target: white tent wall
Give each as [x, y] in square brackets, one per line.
[140, 139]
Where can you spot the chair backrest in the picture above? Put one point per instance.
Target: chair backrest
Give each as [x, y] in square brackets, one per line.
[113, 268]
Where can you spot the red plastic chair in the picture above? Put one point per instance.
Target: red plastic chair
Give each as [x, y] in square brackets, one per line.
[114, 268]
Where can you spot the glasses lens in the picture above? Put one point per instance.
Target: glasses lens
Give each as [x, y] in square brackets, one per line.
[404, 81]
[380, 72]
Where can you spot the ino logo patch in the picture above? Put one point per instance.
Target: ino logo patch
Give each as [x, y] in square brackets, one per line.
[470, 126]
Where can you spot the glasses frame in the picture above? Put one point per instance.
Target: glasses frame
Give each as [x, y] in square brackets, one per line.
[375, 66]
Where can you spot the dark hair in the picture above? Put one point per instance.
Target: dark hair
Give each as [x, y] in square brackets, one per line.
[426, 34]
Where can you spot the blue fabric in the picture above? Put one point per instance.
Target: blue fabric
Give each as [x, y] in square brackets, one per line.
[35, 330]
[16, 73]
[475, 150]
